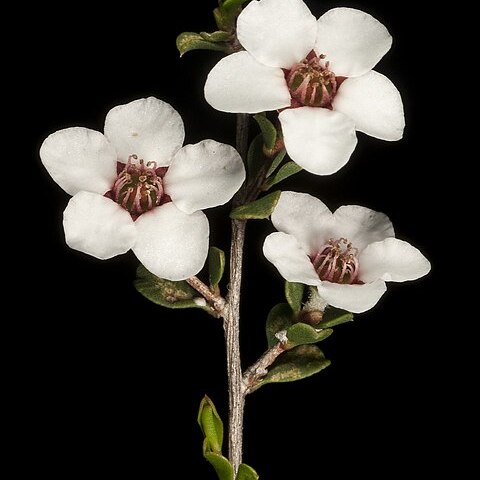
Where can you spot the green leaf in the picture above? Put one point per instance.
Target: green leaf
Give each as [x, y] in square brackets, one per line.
[188, 41]
[231, 4]
[257, 210]
[166, 292]
[287, 170]
[301, 334]
[280, 318]
[301, 362]
[221, 465]
[211, 425]
[294, 295]
[255, 156]
[246, 473]
[215, 37]
[226, 14]
[216, 266]
[268, 129]
[276, 162]
[335, 316]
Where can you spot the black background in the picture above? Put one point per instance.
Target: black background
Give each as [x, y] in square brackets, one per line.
[113, 382]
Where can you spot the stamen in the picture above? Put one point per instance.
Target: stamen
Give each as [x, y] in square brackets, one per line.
[311, 83]
[138, 188]
[337, 262]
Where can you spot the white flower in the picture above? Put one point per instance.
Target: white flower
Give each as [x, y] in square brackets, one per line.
[136, 188]
[322, 69]
[348, 255]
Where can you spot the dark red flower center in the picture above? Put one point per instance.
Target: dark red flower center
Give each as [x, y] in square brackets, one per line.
[139, 186]
[311, 83]
[337, 262]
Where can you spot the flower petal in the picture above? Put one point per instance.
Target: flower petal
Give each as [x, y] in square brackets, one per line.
[361, 226]
[305, 217]
[172, 244]
[353, 298]
[147, 127]
[353, 41]
[80, 159]
[319, 140]
[98, 226]
[278, 33]
[373, 102]
[392, 260]
[286, 253]
[204, 175]
[240, 84]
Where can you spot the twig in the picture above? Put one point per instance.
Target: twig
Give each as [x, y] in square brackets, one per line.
[216, 301]
[257, 372]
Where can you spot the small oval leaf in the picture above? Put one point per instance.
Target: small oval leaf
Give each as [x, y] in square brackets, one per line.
[287, 170]
[211, 425]
[268, 129]
[221, 465]
[335, 316]
[302, 334]
[230, 4]
[188, 41]
[216, 266]
[301, 362]
[246, 473]
[166, 292]
[276, 162]
[255, 156]
[280, 318]
[257, 210]
[294, 295]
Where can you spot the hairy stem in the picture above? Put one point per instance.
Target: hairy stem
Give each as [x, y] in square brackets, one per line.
[236, 387]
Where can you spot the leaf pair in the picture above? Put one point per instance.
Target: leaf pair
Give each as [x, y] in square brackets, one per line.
[222, 39]
[212, 427]
[303, 358]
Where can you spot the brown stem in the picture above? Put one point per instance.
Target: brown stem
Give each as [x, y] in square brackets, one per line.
[216, 301]
[231, 314]
[236, 387]
[256, 373]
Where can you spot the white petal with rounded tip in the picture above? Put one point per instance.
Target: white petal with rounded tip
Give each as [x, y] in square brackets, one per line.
[204, 175]
[353, 298]
[278, 33]
[305, 217]
[149, 128]
[373, 102]
[319, 140]
[98, 226]
[240, 84]
[286, 253]
[170, 243]
[392, 260]
[353, 41]
[80, 159]
[361, 225]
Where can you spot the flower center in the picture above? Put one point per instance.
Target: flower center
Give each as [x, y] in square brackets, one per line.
[337, 262]
[311, 83]
[138, 188]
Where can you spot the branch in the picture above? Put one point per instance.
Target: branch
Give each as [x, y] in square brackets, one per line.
[257, 372]
[216, 301]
